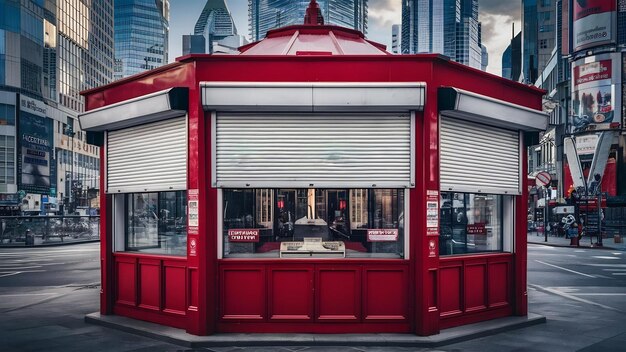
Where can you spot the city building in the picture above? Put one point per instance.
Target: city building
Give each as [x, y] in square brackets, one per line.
[264, 15]
[546, 33]
[141, 35]
[449, 27]
[402, 229]
[396, 39]
[584, 142]
[530, 65]
[218, 29]
[512, 58]
[193, 44]
[49, 52]
[484, 58]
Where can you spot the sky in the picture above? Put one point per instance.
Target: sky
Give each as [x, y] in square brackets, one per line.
[497, 17]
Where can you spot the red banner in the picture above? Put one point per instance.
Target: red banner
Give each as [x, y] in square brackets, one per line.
[584, 8]
[243, 235]
[476, 229]
[593, 71]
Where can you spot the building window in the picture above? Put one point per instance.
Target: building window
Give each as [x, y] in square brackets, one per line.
[156, 223]
[472, 223]
[271, 223]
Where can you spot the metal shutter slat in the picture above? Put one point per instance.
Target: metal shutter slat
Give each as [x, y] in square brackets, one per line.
[478, 158]
[148, 158]
[297, 151]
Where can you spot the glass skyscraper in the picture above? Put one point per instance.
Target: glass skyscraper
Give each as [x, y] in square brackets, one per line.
[141, 35]
[449, 27]
[216, 26]
[50, 50]
[264, 15]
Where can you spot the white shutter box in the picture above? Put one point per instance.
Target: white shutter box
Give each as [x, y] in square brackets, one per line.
[478, 158]
[148, 158]
[312, 151]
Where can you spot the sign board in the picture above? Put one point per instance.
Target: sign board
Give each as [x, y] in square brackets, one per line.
[594, 92]
[543, 179]
[382, 235]
[193, 246]
[432, 248]
[432, 212]
[593, 23]
[564, 209]
[36, 166]
[476, 229]
[192, 211]
[243, 235]
[586, 144]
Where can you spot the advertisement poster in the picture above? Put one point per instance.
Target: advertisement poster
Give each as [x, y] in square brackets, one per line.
[432, 213]
[243, 235]
[593, 23]
[382, 235]
[192, 211]
[35, 148]
[594, 92]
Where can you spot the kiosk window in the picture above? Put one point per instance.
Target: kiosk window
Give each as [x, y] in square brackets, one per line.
[156, 223]
[297, 223]
[471, 223]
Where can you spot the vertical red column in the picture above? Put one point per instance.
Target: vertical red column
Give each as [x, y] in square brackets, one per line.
[106, 242]
[199, 252]
[425, 238]
[521, 261]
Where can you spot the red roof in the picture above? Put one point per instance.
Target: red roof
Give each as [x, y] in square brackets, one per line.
[314, 40]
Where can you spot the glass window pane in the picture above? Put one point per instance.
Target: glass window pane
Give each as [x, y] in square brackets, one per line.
[356, 222]
[470, 223]
[157, 222]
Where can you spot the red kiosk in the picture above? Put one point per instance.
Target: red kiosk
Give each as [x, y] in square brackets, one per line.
[313, 183]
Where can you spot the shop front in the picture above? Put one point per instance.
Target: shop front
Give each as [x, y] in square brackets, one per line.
[329, 189]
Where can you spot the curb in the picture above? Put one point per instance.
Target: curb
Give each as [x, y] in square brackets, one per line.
[446, 337]
[569, 246]
[51, 244]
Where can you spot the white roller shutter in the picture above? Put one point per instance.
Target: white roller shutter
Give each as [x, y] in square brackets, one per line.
[312, 151]
[478, 158]
[148, 158]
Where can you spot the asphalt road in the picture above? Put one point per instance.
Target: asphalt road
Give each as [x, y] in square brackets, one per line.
[45, 293]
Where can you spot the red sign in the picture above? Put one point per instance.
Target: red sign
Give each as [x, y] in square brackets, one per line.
[476, 229]
[382, 235]
[592, 71]
[243, 235]
[193, 247]
[584, 8]
[543, 179]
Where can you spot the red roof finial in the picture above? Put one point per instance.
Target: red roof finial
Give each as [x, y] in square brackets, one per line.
[314, 14]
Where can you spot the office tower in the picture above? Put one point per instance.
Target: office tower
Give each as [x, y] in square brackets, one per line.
[546, 35]
[264, 15]
[50, 50]
[218, 30]
[449, 27]
[396, 37]
[511, 59]
[484, 58]
[141, 35]
[193, 44]
[529, 42]
[422, 26]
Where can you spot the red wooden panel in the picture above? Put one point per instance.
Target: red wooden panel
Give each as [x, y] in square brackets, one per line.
[126, 281]
[243, 293]
[338, 293]
[193, 289]
[150, 284]
[499, 284]
[174, 288]
[450, 290]
[475, 284]
[291, 293]
[385, 294]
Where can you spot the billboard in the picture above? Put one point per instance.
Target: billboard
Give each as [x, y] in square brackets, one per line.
[596, 92]
[593, 23]
[36, 166]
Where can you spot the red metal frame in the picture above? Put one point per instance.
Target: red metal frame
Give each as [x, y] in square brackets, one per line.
[205, 278]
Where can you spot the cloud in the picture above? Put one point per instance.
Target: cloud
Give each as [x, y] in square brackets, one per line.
[512, 9]
[384, 13]
[496, 17]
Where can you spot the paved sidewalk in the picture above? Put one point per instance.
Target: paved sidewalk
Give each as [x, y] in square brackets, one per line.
[607, 243]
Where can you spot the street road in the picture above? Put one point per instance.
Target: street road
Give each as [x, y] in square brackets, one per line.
[45, 293]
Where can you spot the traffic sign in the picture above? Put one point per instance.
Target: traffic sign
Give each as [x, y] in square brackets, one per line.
[543, 179]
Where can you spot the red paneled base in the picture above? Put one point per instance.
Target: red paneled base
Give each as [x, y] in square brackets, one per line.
[304, 296]
[151, 288]
[475, 288]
